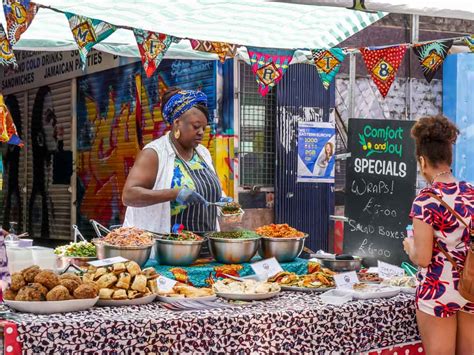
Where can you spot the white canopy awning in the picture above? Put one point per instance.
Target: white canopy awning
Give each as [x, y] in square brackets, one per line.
[459, 9]
[245, 22]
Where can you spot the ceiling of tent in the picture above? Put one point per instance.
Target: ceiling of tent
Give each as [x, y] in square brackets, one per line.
[244, 22]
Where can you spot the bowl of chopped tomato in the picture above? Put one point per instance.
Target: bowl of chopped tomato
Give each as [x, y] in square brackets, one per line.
[280, 241]
[178, 249]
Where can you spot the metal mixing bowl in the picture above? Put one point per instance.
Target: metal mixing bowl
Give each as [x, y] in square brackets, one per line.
[139, 254]
[342, 265]
[82, 262]
[177, 252]
[283, 249]
[233, 251]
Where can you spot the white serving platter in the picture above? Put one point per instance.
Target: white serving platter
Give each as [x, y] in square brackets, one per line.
[247, 297]
[50, 307]
[134, 302]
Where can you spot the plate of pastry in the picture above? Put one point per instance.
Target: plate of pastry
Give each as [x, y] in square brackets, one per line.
[247, 290]
[186, 292]
[123, 284]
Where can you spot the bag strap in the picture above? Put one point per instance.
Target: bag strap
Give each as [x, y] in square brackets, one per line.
[458, 217]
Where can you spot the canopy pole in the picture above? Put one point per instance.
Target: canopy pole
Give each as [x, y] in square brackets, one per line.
[352, 84]
[415, 31]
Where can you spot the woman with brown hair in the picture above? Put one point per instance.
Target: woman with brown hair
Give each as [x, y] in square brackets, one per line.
[445, 319]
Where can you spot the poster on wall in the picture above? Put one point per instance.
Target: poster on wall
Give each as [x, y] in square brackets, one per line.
[316, 148]
[380, 188]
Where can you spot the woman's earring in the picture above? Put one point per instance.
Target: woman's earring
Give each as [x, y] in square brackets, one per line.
[177, 134]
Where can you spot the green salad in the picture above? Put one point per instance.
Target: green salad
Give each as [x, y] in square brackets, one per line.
[80, 249]
[241, 234]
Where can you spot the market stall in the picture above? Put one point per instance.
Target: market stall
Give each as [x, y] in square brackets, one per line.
[291, 323]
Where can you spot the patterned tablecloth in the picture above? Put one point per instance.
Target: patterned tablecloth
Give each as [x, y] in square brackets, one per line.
[198, 274]
[292, 323]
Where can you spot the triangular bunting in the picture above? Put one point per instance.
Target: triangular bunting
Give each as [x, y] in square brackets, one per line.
[431, 56]
[222, 49]
[382, 64]
[152, 47]
[269, 65]
[470, 42]
[19, 15]
[6, 53]
[328, 62]
[87, 33]
[8, 132]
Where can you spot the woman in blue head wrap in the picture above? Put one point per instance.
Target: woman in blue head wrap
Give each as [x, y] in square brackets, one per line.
[173, 179]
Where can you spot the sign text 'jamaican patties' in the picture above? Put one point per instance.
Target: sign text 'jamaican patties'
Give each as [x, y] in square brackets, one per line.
[380, 187]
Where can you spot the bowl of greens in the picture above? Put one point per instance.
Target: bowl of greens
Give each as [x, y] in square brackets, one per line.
[233, 247]
[78, 254]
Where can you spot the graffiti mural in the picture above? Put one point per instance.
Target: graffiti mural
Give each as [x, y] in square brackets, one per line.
[118, 113]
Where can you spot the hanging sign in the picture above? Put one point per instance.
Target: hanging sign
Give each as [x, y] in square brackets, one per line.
[269, 65]
[316, 148]
[431, 56]
[19, 15]
[382, 64]
[328, 62]
[380, 188]
[152, 47]
[222, 49]
[87, 33]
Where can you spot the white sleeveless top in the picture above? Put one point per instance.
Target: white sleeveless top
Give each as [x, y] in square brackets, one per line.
[157, 218]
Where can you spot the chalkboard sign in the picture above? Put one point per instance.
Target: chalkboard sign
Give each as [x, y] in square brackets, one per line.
[380, 188]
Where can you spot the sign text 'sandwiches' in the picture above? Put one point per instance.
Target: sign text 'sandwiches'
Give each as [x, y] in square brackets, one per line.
[380, 187]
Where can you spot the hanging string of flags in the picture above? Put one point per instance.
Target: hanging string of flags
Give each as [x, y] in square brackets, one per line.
[268, 64]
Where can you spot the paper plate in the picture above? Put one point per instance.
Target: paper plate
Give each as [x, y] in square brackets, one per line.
[134, 302]
[410, 290]
[383, 292]
[175, 299]
[306, 289]
[247, 297]
[49, 307]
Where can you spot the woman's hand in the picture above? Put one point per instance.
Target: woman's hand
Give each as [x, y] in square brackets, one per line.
[226, 199]
[187, 196]
[408, 244]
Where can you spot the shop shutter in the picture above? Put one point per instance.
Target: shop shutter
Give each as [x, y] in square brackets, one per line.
[43, 138]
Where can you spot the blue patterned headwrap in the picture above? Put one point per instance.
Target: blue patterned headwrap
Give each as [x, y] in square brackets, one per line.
[181, 102]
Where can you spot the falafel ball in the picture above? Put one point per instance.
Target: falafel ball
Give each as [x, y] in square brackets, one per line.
[58, 293]
[40, 288]
[70, 276]
[29, 293]
[17, 281]
[86, 291]
[71, 285]
[48, 279]
[30, 273]
[9, 294]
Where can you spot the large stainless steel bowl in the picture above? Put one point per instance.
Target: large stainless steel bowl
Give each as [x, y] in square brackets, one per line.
[283, 249]
[63, 262]
[139, 254]
[342, 265]
[177, 252]
[233, 251]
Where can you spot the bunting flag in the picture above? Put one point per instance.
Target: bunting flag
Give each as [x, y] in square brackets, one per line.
[222, 49]
[470, 42]
[328, 63]
[8, 132]
[6, 52]
[19, 14]
[269, 65]
[382, 64]
[152, 47]
[431, 56]
[87, 33]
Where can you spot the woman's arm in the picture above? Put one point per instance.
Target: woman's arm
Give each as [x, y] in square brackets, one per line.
[420, 247]
[138, 190]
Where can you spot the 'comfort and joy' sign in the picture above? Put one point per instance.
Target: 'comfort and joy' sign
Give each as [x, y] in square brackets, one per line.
[380, 187]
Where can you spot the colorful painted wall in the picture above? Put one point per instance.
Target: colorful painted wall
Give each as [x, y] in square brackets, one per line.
[118, 113]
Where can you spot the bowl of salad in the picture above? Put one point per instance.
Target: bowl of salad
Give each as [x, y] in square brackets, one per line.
[178, 249]
[233, 247]
[78, 254]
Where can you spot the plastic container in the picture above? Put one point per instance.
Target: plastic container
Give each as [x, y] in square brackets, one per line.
[336, 297]
[25, 243]
[409, 231]
[19, 258]
[230, 222]
[43, 257]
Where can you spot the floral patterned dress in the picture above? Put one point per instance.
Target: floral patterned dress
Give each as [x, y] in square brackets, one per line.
[437, 292]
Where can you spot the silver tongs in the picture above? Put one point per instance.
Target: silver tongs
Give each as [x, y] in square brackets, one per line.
[77, 234]
[99, 228]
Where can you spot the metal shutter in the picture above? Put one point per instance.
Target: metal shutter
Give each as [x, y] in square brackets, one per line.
[39, 160]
